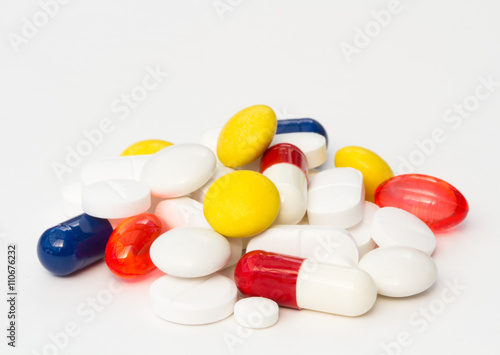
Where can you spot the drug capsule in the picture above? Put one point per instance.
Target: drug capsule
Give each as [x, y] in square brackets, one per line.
[301, 125]
[73, 244]
[433, 200]
[305, 283]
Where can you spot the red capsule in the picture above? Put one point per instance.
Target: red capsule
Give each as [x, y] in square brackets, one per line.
[127, 251]
[284, 153]
[434, 201]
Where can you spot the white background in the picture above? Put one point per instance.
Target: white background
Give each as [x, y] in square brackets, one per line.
[286, 54]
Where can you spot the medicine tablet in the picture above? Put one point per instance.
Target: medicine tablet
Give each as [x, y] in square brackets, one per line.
[395, 227]
[399, 271]
[374, 169]
[127, 167]
[190, 252]
[195, 301]
[118, 198]
[181, 212]
[361, 231]
[336, 197]
[246, 136]
[148, 146]
[307, 241]
[178, 170]
[256, 312]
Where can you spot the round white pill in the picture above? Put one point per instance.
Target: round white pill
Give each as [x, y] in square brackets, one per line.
[194, 301]
[256, 312]
[399, 271]
[190, 252]
[395, 227]
[178, 170]
[118, 198]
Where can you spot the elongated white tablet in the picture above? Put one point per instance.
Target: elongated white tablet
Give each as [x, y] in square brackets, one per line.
[256, 312]
[178, 170]
[399, 271]
[190, 252]
[123, 167]
[313, 145]
[336, 197]
[219, 171]
[322, 243]
[71, 194]
[195, 301]
[361, 231]
[118, 198]
[396, 227]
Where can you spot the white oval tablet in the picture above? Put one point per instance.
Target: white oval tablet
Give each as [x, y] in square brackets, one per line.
[291, 183]
[313, 145]
[178, 170]
[361, 231]
[336, 197]
[117, 198]
[400, 271]
[195, 301]
[393, 226]
[126, 167]
[190, 252]
[307, 241]
[256, 312]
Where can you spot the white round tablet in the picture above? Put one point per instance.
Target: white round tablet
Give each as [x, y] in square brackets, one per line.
[178, 170]
[256, 312]
[118, 198]
[195, 301]
[190, 252]
[399, 271]
[396, 227]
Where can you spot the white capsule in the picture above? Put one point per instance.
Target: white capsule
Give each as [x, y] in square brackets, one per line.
[400, 271]
[396, 227]
[336, 197]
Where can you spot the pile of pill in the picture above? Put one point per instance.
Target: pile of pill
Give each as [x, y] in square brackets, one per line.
[249, 196]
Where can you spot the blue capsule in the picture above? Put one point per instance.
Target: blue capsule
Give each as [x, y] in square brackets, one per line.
[74, 244]
[301, 125]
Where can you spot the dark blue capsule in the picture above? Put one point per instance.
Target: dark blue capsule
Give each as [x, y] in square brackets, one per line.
[74, 244]
[301, 125]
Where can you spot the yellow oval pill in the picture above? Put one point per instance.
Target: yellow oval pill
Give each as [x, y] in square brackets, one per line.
[246, 136]
[241, 204]
[149, 146]
[374, 169]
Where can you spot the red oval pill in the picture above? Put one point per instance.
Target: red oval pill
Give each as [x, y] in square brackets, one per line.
[127, 251]
[434, 201]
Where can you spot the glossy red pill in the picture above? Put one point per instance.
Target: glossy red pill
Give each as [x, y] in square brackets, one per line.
[434, 201]
[127, 251]
[284, 153]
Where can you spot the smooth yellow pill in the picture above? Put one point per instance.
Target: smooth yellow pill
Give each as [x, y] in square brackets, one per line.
[246, 136]
[149, 146]
[241, 204]
[374, 169]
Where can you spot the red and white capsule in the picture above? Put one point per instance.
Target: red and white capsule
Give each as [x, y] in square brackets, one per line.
[305, 283]
[286, 166]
